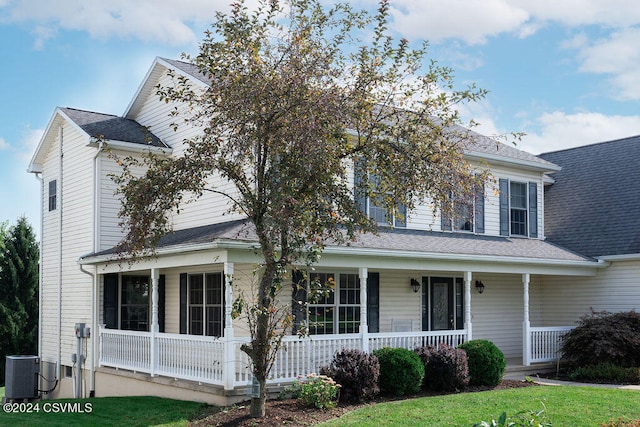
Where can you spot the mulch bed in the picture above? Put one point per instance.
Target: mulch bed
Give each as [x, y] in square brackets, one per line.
[290, 412]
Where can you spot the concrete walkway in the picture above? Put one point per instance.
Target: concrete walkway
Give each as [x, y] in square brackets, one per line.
[518, 376]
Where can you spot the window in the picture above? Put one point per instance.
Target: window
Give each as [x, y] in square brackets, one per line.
[374, 206]
[338, 311]
[52, 195]
[518, 208]
[467, 215]
[442, 303]
[134, 303]
[205, 304]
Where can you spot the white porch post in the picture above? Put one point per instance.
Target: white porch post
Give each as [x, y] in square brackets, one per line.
[229, 373]
[364, 328]
[467, 305]
[155, 328]
[526, 325]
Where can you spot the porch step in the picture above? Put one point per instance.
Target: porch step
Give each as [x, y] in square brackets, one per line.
[514, 371]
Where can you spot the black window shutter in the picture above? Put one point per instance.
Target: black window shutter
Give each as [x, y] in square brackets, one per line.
[373, 302]
[161, 305]
[359, 194]
[224, 296]
[533, 209]
[183, 303]
[298, 300]
[504, 207]
[479, 213]
[110, 301]
[445, 222]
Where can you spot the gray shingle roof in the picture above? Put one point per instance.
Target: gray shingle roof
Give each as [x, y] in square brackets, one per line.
[594, 205]
[482, 144]
[391, 240]
[188, 68]
[112, 127]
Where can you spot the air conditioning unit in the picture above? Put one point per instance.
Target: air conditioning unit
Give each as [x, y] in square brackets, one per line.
[21, 377]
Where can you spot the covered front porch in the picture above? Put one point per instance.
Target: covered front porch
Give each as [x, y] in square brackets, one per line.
[219, 361]
[389, 291]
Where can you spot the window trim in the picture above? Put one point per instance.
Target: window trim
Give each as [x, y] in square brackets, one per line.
[525, 209]
[205, 305]
[122, 305]
[336, 305]
[53, 195]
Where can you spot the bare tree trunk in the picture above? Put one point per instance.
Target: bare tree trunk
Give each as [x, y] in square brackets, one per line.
[261, 342]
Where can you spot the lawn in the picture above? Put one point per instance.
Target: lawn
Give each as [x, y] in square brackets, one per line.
[109, 411]
[564, 406]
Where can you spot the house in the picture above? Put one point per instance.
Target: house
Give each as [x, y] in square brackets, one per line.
[163, 326]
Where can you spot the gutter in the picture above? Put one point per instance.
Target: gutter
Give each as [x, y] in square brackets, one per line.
[626, 257]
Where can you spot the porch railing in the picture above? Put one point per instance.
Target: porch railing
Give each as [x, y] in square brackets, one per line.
[546, 343]
[205, 359]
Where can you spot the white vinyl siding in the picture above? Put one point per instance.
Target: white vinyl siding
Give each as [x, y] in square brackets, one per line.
[615, 288]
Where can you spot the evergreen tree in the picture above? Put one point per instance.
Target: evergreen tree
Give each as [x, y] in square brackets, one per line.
[18, 292]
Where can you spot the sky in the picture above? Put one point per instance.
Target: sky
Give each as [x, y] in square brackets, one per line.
[565, 73]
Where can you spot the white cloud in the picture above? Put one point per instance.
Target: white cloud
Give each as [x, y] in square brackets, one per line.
[560, 130]
[4, 145]
[28, 144]
[617, 56]
[468, 20]
[573, 13]
[163, 21]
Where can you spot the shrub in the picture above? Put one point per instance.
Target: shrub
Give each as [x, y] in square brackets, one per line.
[606, 373]
[401, 371]
[486, 362]
[445, 368]
[604, 338]
[318, 391]
[357, 373]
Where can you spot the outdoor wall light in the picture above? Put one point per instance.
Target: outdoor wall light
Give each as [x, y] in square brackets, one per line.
[479, 286]
[415, 285]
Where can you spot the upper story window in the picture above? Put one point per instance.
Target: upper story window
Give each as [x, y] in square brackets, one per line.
[467, 215]
[374, 206]
[518, 208]
[52, 195]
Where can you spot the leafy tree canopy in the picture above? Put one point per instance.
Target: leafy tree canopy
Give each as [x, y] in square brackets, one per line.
[298, 95]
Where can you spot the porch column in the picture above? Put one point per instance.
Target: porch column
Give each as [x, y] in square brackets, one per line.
[526, 325]
[467, 305]
[155, 277]
[364, 328]
[229, 372]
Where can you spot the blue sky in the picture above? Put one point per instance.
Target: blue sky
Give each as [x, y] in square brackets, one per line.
[566, 73]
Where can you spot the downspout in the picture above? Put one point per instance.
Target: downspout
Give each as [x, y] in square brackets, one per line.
[94, 275]
[60, 207]
[39, 178]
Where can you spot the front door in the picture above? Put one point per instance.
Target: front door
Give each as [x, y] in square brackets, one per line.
[441, 303]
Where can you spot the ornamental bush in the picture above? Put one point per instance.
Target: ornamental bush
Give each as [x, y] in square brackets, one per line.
[603, 338]
[317, 391]
[357, 373]
[401, 371]
[606, 373]
[486, 362]
[445, 368]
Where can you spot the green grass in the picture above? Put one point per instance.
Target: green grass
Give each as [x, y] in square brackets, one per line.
[564, 406]
[112, 411]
